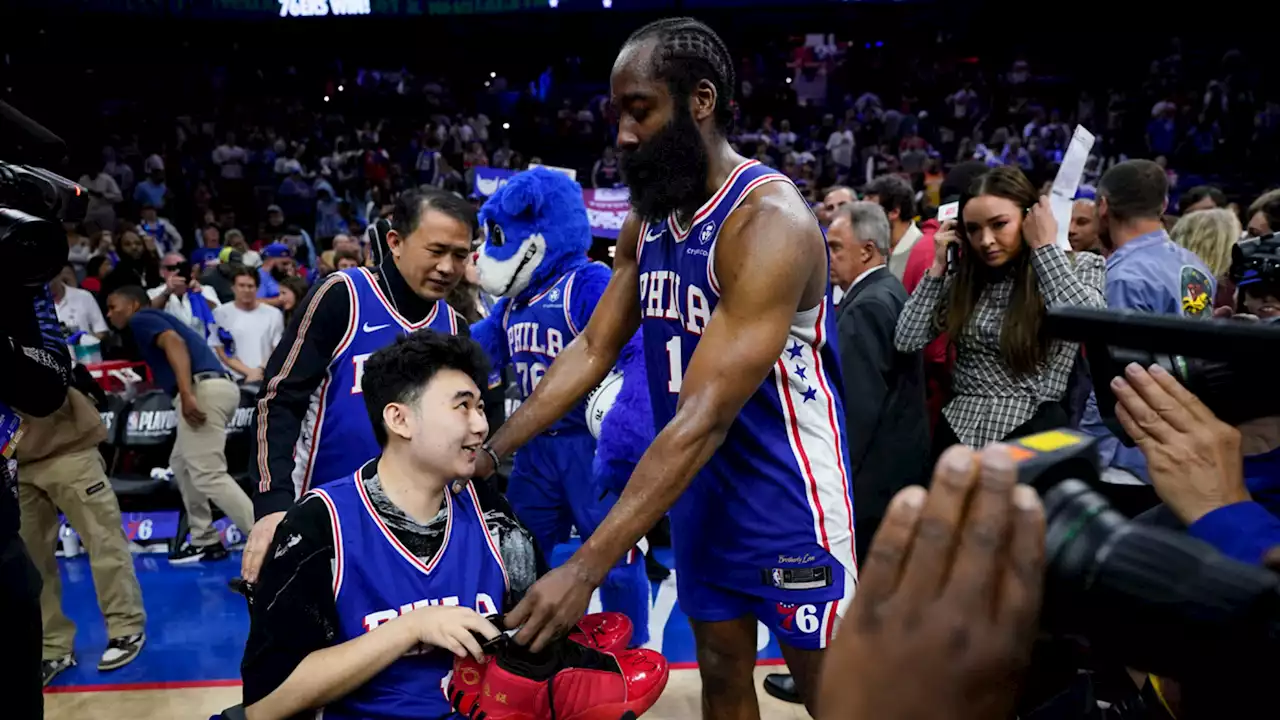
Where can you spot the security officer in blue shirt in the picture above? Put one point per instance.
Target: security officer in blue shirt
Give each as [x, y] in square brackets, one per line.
[1146, 271]
[206, 399]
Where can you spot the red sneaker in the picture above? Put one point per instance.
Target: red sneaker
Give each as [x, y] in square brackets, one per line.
[466, 681]
[604, 631]
[580, 682]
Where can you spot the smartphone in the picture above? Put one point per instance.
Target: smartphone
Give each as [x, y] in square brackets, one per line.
[948, 211]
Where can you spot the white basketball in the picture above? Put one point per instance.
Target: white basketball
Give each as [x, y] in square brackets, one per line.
[600, 400]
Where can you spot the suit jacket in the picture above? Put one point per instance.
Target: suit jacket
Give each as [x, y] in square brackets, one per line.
[886, 420]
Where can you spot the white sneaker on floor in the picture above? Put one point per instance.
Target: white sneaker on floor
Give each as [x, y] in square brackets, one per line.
[121, 651]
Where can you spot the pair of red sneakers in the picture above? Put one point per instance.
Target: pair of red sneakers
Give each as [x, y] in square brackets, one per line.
[588, 675]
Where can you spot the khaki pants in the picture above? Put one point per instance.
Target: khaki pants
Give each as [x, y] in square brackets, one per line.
[199, 462]
[77, 483]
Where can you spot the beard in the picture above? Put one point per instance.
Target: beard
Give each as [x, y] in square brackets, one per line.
[669, 171]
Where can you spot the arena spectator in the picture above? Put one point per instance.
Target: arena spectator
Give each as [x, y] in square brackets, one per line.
[104, 194]
[181, 294]
[1146, 271]
[137, 264]
[1264, 214]
[292, 292]
[77, 309]
[1009, 377]
[254, 326]
[152, 191]
[1211, 235]
[1202, 197]
[95, 271]
[888, 429]
[166, 236]
[1083, 233]
[277, 264]
[898, 200]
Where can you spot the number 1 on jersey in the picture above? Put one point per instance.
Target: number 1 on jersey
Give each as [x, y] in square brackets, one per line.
[675, 363]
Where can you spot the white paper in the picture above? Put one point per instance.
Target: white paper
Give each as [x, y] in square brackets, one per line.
[1063, 194]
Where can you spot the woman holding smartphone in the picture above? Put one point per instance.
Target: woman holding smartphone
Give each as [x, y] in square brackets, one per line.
[1009, 375]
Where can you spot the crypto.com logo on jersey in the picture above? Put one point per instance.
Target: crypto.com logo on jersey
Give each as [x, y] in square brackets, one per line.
[318, 8]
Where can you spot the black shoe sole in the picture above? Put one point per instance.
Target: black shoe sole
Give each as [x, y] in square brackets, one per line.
[780, 694]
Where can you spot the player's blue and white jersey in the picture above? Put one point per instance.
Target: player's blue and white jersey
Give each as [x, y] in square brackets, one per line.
[376, 579]
[537, 331]
[778, 488]
[336, 438]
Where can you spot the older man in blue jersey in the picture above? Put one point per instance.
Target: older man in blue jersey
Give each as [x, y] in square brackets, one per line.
[311, 425]
[723, 267]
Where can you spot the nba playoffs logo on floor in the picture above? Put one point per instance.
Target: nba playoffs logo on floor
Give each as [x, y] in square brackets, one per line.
[708, 230]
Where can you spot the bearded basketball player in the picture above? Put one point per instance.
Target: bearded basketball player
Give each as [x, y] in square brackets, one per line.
[724, 269]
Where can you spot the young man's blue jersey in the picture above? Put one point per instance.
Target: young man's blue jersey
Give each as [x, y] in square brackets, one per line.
[376, 579]
[336, 438]
[537, 331]
[766, 527]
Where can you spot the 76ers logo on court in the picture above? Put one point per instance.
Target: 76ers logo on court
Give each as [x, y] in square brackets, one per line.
[708, 230]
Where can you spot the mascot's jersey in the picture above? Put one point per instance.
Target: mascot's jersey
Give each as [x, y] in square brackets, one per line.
[383, 581]
[781, 476]
[336, 437]
[536, 333]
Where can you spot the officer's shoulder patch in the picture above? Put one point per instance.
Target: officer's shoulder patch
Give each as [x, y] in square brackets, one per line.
[1193, 286]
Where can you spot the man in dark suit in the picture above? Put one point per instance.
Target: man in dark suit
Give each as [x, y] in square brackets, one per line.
[885, 417]
[885, 414]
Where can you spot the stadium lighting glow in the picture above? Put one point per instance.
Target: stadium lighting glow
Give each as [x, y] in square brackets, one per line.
[486, 83]
[507, 126]
[340, 88]
[553, 4]
[607, 4]
[493, 74]
[326, 98]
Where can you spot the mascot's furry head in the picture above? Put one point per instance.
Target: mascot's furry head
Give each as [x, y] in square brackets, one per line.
[535, 230]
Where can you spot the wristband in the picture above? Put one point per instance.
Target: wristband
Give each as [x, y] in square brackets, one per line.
[493, 455]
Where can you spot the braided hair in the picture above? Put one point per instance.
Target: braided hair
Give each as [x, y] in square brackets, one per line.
[688, 52]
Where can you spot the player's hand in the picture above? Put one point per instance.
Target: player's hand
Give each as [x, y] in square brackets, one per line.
[450, 627]
[946, 235]
[484, 468]
[254, 375]
[256, 547]
[951, 592]
[1040, 228]
[552, 606]
[191, 411]
[1193, 458]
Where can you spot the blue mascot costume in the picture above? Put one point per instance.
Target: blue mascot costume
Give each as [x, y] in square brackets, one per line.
[535, 259]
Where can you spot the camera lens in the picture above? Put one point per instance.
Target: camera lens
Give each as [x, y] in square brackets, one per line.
[1153, 599]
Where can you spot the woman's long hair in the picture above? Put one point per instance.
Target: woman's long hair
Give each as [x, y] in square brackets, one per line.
[1023, 345]
[1210, 234]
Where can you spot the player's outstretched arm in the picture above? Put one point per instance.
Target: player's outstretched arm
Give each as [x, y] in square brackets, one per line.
[765, 262]
[587, 360]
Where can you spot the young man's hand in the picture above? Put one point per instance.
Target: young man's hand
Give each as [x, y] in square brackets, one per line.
[256, 547]
[450, 627]
[950, 592]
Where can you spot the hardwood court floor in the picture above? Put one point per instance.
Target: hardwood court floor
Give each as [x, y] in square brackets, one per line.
[680, 701]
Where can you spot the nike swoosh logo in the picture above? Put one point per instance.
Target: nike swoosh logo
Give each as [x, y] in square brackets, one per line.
[374, 328]
[650, 237]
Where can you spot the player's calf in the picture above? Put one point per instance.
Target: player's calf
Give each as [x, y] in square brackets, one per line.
[726, 663]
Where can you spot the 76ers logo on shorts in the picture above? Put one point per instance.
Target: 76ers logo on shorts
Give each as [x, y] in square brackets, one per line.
[787, 612]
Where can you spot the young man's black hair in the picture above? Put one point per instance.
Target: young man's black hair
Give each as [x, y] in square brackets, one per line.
[689, 52]
[1134, 190]
[398, 373]
[411, 204]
